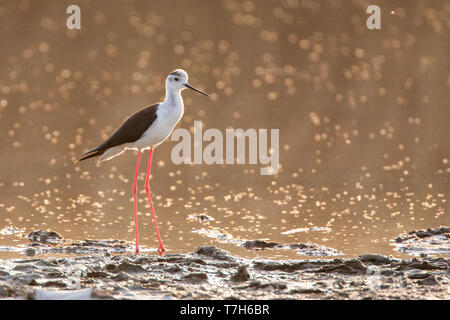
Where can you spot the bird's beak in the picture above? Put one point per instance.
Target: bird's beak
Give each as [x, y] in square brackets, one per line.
[187, 85]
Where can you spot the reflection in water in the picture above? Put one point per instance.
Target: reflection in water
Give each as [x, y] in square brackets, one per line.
[363, 121]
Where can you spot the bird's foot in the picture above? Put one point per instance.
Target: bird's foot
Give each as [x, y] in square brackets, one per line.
[137, 251]
[161, 250]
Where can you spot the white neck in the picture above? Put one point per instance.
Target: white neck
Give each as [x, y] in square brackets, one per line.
[173, 96]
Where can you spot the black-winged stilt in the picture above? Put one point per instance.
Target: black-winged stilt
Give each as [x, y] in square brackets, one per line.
[147, 129]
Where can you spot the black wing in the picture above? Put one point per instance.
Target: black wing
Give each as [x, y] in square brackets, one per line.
[131, 130]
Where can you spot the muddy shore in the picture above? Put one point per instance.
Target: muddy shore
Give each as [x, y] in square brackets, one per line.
[106, 270]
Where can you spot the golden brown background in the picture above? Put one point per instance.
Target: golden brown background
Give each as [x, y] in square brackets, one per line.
[363, 118]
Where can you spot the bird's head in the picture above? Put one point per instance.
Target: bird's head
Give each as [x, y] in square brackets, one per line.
[178, 80]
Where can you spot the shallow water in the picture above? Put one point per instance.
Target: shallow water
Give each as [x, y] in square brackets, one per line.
[363, 118]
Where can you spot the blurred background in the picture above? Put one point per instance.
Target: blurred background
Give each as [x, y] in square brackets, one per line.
[363, 116]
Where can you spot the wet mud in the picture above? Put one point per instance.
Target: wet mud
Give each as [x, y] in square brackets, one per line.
[107, 269]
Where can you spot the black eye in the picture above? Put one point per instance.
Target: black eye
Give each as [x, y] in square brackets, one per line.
[176, 79]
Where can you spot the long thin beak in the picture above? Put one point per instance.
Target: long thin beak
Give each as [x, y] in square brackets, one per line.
[187, 85]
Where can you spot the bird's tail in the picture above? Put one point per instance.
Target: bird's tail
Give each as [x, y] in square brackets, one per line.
[90, 154]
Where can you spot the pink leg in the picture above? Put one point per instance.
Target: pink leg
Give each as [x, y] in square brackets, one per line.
[147, 189]
[135, 201]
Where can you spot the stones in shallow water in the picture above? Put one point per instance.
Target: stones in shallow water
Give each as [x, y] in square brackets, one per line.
[94, 246]
[45, 243]
[424, 242]
[214, 252]
[305, 249]
[259, 244]
[45, 237]
[180, 276]
[375, 258]
[424, 233]
[313, 250]
[352, 266]
[208, 270]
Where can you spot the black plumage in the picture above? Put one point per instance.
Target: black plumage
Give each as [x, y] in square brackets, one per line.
[131, 130]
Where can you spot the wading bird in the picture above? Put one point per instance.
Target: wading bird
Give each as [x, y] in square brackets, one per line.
[147, 129]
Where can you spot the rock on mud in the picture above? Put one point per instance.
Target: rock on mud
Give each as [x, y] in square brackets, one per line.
[352, 266]
[424, 242]
[207, 274]
[197, 277]
[45, 241]
[428, 281]
[215, 253]
[424, 233]
[374, 258]
[213, 273]
[241, 275]
[259, 244]
[305, 249]
[45, 237]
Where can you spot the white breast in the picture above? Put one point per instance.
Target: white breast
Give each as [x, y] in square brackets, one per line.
[168, 115]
